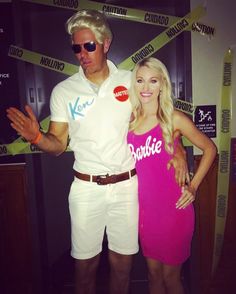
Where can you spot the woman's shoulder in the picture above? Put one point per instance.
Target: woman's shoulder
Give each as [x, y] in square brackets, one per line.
[179, 116]
[180, 120]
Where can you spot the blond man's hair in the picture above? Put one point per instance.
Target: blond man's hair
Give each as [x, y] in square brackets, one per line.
[90, 19]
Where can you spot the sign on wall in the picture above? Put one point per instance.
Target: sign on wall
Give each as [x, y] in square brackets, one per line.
[205, 119]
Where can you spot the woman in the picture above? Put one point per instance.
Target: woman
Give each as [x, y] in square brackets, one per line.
[166, 217]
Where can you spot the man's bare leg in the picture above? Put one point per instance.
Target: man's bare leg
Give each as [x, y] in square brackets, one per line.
[85, 275]
[120, 267]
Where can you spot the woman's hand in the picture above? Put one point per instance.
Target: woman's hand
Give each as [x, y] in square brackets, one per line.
[187, 197]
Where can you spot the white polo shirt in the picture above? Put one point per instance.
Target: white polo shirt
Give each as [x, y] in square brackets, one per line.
[98, 122]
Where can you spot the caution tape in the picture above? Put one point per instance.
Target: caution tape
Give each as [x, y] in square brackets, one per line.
[184, 106]
[19, 147]
[42, 60]
[224, 159]
[4, 150]
[188, 108]
[137, 15]
[147, 50]
[163, 38]
[203, 29]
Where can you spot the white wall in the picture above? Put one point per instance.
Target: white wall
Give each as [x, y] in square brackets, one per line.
[208, 54]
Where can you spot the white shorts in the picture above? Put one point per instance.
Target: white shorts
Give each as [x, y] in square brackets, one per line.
[94, 208]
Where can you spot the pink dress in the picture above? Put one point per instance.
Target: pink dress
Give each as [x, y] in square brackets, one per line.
[165, 232]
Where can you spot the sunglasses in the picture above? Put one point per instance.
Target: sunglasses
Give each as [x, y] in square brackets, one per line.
[89, 47]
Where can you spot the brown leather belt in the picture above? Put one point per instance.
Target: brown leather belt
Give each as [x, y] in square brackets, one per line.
[106, 179]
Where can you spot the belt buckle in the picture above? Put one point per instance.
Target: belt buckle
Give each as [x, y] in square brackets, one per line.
[99, 179]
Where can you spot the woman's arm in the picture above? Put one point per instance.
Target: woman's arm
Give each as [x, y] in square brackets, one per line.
[188, 129]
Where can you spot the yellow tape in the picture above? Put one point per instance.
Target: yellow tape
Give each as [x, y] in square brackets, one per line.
[19, 147]
[224, 159]
[4, 150]
[42, 60]
[162, 39]
[68, 4]
[203, 29]
[188, 108]
[148, 17]
[147, 50]
[184, 106]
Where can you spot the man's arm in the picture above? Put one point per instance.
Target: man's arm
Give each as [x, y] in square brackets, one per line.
[54, 141]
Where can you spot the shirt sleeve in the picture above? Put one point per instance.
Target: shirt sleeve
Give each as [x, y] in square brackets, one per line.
[58, 107]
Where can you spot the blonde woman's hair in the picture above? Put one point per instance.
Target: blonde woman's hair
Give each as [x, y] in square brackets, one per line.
[90, 19]
[165, 102]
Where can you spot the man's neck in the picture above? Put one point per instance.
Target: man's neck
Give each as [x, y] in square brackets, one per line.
[100, 76]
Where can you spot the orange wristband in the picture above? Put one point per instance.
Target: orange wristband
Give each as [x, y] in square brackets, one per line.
[37, 138]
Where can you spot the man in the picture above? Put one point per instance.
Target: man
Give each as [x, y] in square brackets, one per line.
[92, 108]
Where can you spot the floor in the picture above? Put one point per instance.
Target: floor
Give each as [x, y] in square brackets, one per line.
[63, 276]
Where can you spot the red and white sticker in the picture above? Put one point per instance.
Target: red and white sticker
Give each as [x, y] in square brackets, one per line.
[121, 93]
